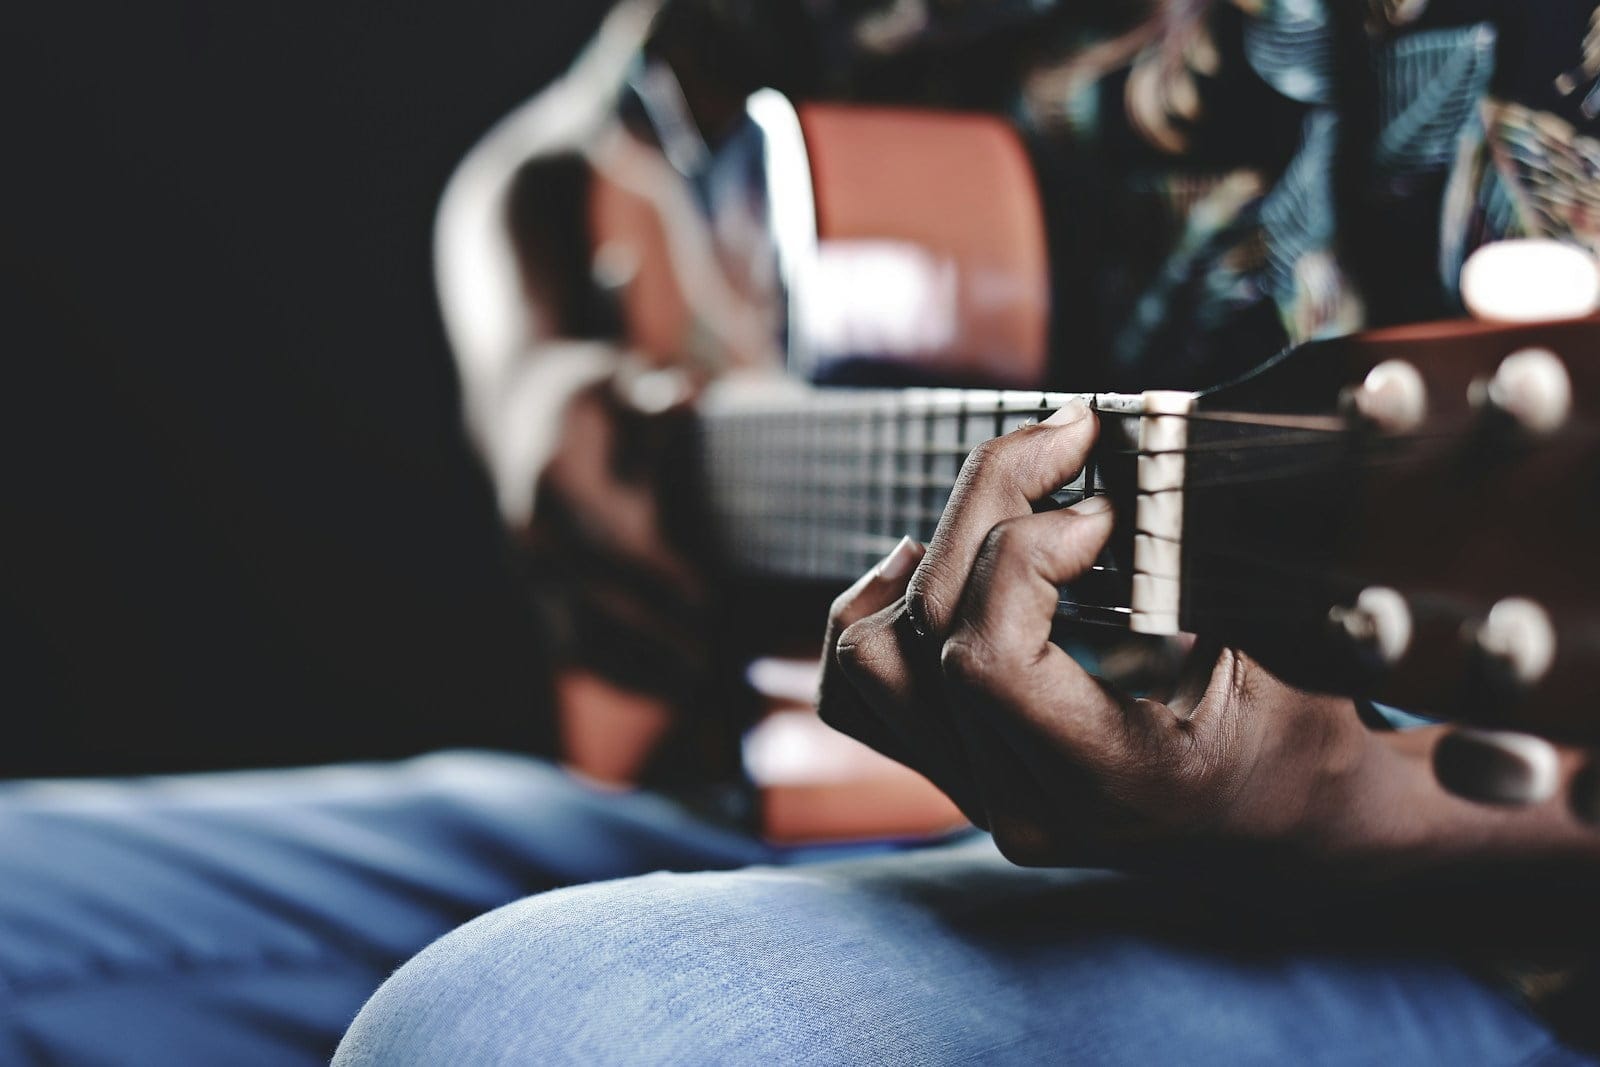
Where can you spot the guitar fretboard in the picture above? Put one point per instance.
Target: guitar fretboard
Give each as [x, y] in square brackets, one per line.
[821, 483]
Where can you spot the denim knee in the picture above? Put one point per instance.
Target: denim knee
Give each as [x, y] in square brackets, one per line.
[764, 964]
[588, 974]
[909, 959]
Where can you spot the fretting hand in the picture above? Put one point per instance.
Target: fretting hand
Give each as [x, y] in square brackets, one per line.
[951, 669]
[942, 659]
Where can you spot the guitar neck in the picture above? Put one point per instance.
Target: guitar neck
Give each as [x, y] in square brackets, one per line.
[1325, 513]
[821, 483]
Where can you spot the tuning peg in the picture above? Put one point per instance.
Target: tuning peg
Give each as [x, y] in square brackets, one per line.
[1530, 280]
[1379, 621]
[1532, 388]
[1518, 635]
[1393, 397]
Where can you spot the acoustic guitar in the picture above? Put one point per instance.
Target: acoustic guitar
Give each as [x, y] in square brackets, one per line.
[1402, 514]
[1405, 515]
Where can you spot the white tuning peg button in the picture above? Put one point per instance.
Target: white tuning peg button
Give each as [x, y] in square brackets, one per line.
[1393, 397]
[1519, 633]
[1530, 280]
[1533, 387]
[1379, 620]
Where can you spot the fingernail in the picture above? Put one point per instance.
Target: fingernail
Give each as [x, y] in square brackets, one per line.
[1497, 768]
[1093, 505]
[900, 561]
[1069, 413]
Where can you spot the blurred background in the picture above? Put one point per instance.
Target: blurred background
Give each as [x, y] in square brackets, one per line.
[243, 525]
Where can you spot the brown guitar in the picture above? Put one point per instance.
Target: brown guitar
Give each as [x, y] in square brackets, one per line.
[1426, 543]
[1405, 514]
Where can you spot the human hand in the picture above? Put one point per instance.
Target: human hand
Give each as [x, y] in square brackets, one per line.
[943, 660]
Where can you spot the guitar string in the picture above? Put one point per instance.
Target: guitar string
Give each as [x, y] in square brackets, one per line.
[1259, 558]
[930, 487]
[1308, 433]
[821, 477]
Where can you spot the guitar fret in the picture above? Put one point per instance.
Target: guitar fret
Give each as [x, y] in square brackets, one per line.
[888, 464]
[823, 483]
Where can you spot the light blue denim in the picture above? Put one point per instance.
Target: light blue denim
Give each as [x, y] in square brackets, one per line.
[945, 956]
[244, 918]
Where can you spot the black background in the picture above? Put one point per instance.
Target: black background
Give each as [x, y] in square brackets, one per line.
[242, 524]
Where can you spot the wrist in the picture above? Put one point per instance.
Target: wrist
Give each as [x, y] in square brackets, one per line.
[1333, 820]
[1371, 830]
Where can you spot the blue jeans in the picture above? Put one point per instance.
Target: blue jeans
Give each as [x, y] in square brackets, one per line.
[946, 956]
[244, 919]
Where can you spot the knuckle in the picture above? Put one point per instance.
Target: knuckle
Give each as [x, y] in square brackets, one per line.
[859, 648]
[998, 456]
[847, 651]
[967, 661]
[1025, 458]
[973, 660]
[925, 608]
[1007, 539]
[980, 459]
[998, 541]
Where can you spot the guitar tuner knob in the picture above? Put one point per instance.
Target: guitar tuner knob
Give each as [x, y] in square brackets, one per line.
[1393, 397]
[1380, 620]
[1533, 388]
[1518, 634]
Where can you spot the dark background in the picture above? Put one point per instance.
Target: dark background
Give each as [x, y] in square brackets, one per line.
[242, 524]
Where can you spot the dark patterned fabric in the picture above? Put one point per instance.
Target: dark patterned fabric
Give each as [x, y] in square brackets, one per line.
[1258, 172]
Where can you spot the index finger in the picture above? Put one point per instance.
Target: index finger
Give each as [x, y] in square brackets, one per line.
[1000, 480]
[999, 656]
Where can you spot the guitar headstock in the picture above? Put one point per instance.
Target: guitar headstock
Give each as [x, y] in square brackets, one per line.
[1410, 514]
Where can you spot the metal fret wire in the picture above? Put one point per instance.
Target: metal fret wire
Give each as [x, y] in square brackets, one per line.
[822, 483]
